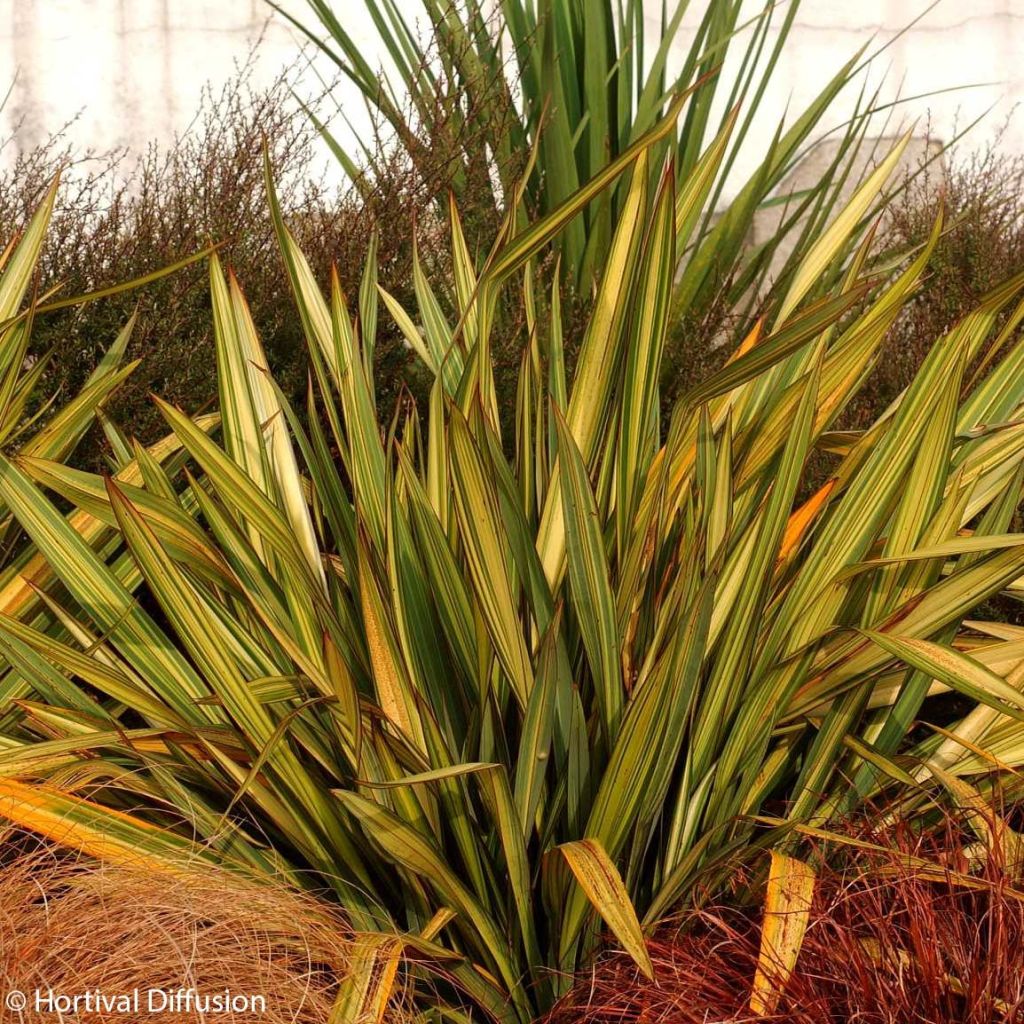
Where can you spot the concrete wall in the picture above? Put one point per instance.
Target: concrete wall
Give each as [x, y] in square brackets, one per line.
[132, 69]
[919, 151]
[128, 71]
[975, 47]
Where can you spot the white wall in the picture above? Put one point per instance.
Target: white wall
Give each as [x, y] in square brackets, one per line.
[128, 71]
[976, 44]
[132, 69]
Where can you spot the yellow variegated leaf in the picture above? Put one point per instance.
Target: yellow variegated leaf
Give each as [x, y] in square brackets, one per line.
[787, 910]
[90, 828]
[364, 996]
[825, 249]
[600, 880]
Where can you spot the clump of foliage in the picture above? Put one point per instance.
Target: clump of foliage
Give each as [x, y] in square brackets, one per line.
[902, 926]
[504, 691]
[575, 85]
[511, 672]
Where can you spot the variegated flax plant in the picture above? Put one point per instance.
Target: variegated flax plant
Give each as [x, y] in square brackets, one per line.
[469, 87]
[509, 696]
[33, 425]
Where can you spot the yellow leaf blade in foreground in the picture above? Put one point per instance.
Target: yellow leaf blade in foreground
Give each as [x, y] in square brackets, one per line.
[599, 878]
[90, 828]
[364, 996]
[787, 910]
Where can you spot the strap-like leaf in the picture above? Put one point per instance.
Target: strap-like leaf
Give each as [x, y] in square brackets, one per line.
[787, 909]
[600, 880]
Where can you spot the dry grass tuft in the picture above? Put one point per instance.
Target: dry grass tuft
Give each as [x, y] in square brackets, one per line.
[74, 926]
[888, 943]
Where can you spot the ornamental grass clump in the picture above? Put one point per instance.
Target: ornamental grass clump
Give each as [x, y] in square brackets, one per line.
[508, 694]
[130, 941]
[904, 927]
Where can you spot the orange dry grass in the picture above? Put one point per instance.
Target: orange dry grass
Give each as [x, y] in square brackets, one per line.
[74, 926]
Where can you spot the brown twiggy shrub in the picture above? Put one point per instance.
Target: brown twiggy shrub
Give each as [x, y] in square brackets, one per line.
[982, 196]
[119, 216]
[74, 926]
[124, 215]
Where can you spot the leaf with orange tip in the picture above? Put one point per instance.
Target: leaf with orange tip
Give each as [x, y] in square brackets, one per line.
[802, 518]
[752, 338]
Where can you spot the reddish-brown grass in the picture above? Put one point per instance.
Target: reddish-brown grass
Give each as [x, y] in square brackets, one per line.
[888, 943]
